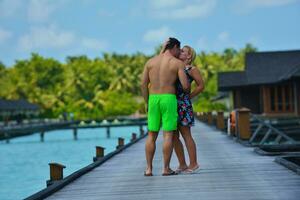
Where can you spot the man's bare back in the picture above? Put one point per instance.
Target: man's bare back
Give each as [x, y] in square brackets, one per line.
[162, 71]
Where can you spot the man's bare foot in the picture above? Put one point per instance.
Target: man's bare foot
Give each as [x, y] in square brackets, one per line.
[148, 172]
[169, 172]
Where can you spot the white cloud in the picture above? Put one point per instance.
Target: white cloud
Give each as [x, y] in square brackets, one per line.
[267, 3]
[46, 37]
[52, 37]
[4, 35]
[106, 13]
[158, 35]
[202, 43]
[41, 10]
[223, 36]
[92, 43]
[9, 8]
[165, 3]
[246, 6]
[183, 10]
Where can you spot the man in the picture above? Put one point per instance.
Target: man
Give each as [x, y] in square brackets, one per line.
[158, 88]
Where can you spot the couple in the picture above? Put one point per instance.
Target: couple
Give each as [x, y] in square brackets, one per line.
[166, 86]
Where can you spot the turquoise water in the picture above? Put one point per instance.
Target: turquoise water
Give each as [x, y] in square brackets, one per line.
[24, 161]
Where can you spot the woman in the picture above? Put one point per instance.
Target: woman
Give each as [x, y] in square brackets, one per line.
[185, 112]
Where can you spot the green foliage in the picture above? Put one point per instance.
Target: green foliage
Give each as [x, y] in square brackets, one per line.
[102, 87]
[209, 65]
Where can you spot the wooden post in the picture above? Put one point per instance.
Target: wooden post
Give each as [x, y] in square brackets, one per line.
[214, 119]
[141, 131]
[42, 136]
[205, 117]
[120, 142]
[133, 137]
[108, 132]
[6, 137]
[56, 173]
[75, 133]
[209, 118]
[243, 120]
[99, 153]
[220, 120]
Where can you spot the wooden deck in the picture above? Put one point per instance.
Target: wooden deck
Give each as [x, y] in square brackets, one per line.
[229, 171]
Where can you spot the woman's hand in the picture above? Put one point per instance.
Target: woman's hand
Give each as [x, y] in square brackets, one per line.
[164, 46]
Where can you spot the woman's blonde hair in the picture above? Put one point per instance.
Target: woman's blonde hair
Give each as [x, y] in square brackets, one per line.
[191, 53]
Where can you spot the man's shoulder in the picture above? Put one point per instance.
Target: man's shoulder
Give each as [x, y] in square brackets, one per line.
[153, 59]
[176, 62]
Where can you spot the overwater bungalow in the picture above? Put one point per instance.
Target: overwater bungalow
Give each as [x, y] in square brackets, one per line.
[17, 109]
[269, 85]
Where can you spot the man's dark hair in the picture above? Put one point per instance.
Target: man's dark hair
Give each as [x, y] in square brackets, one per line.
[172, 43]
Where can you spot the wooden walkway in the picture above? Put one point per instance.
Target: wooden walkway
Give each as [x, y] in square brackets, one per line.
[229, 171]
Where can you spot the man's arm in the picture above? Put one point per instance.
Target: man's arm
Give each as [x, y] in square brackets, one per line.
[186, 86]
[145, 82]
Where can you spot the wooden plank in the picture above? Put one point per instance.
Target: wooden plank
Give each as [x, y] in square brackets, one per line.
[228, 171]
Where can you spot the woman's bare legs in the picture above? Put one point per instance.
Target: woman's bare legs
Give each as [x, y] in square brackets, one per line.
[179, 151]
[190, 145]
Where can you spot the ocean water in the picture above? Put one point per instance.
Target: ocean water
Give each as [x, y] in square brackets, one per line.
[24, 161]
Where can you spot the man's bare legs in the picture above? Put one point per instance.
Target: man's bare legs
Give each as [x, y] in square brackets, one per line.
[150, 150]
[190, 145]
[179, 151]
[167, 150]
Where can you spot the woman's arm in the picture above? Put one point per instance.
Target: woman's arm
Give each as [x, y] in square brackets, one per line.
[195, 73]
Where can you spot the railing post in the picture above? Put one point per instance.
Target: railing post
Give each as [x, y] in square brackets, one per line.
[220, 120]
[6, 137]
[42, 136]
[108, 132]
[141, 131]
[120, 143]
[75, 133]
[133, 137]
[243, 122]
[56, 173]
[205, 117]
[202, 116]
[99, 153]
[209, 118]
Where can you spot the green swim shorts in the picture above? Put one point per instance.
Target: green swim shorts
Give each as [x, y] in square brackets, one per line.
[162, 108]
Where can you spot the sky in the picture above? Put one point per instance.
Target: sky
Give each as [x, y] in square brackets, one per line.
[61, 28]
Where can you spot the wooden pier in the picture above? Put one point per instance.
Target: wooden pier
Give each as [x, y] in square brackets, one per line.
[229, 170]
[7, 133]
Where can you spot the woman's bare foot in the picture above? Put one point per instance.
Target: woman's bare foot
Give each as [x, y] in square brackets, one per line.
[148, 172]
[169, 172]
[181, 168]
[192, 169]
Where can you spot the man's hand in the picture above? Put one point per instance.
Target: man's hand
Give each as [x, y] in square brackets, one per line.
[164, 46]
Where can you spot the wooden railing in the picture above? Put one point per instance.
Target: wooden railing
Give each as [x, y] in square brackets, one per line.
[254, 129]
[57, 180]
